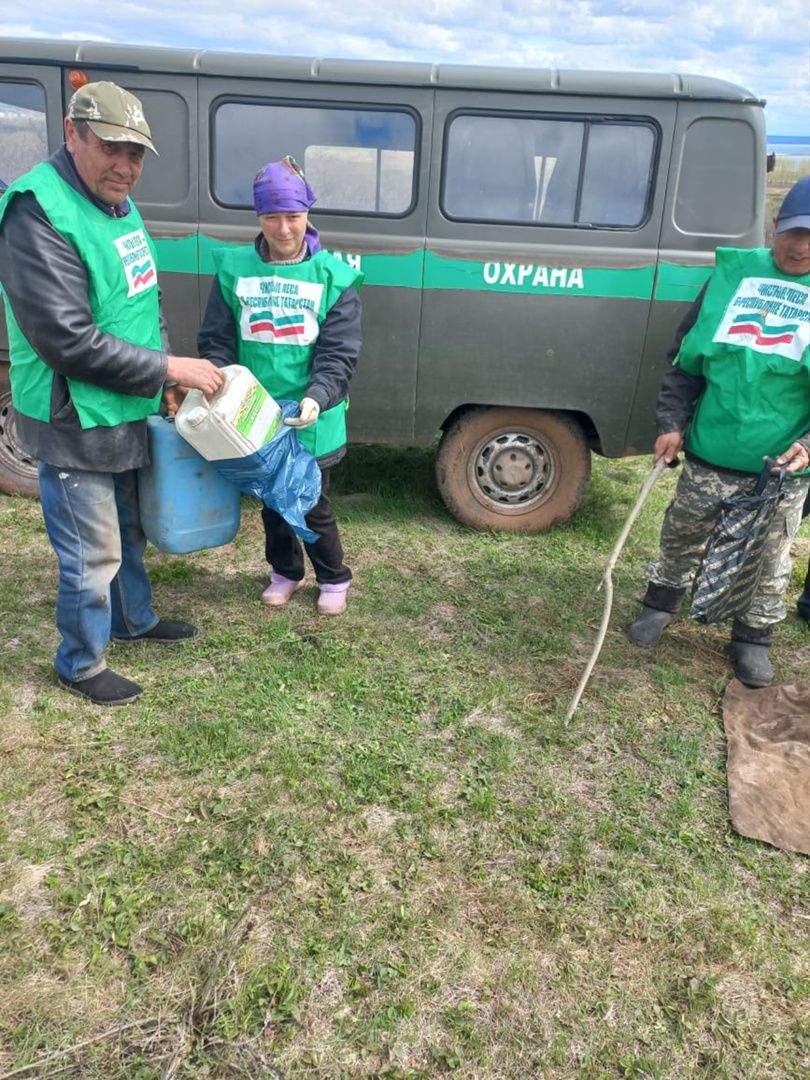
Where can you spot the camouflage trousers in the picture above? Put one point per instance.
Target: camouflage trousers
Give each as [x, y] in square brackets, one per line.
[688, 523]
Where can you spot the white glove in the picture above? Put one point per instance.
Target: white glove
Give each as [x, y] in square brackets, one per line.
[308, 412]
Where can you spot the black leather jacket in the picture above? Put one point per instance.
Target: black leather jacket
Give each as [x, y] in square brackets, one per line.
[45, 282]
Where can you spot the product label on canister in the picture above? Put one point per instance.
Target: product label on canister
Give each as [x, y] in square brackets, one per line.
[258, 417]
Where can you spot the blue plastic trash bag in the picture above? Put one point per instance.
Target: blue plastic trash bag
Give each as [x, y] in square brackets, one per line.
[282, 473]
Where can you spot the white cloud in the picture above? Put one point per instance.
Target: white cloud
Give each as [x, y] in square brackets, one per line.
[21, 30]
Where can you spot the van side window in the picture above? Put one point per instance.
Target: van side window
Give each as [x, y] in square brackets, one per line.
[23, 133]
[705, 202]
[618, 171]
[581, 172]
[358, 161]
[166, 179]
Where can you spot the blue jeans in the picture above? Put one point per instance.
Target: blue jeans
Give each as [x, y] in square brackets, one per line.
[93, 523]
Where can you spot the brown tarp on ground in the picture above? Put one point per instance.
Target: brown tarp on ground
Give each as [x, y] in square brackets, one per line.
[768, 734]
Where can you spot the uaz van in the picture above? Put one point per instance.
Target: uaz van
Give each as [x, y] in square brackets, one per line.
[530, 239]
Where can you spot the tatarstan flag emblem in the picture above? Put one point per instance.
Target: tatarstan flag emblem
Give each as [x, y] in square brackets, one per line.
[142, 274]
[280, 326]
[757, 325]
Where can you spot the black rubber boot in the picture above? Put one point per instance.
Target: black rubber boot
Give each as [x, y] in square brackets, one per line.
[748, 650]
[661, 604]
[803, 603]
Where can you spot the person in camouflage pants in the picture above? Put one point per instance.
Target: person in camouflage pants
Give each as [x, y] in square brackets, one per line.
[738, 391]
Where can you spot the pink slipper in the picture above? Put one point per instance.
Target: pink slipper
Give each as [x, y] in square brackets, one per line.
[332, 598]
[280, 589]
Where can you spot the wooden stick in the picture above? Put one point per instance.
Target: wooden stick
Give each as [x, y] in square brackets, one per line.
[607, 580]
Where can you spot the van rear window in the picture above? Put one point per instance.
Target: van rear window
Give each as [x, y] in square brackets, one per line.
[23, 133]
[581, 172]
[356, 160]
[706, 202]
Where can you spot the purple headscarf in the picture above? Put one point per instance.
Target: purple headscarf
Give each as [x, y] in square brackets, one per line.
[280, 187]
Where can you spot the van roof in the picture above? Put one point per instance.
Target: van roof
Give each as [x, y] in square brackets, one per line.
[313, 69]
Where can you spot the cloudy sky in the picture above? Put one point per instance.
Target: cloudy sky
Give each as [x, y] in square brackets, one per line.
[761, 45]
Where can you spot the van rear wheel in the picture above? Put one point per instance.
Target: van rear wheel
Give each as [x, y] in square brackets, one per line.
[512, 469]
[18, 472]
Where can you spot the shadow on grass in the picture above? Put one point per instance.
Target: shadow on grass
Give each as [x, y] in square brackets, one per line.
[389, 480]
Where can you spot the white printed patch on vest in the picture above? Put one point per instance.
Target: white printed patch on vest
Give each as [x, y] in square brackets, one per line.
[768, 315]
[279, 310]
[136, 258]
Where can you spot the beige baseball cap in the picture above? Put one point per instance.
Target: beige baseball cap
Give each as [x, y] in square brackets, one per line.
[112, 113]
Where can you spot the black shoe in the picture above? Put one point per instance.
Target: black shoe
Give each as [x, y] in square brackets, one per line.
[164, 630]
[646, 630]
[106, 688]
[751, 664]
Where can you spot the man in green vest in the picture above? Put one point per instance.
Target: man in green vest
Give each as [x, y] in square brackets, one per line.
[738, 391]
[89, 361]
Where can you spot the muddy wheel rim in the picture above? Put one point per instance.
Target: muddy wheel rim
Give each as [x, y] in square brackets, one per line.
[512, 469]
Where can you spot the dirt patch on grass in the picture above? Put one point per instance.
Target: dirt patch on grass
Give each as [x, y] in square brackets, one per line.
[27, 892]
[490, 722]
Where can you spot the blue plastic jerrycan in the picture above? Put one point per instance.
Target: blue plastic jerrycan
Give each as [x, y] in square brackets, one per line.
[185, 504]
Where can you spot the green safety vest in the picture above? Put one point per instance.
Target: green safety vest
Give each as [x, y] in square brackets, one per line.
[751, 343]
[278, 311]
[119, 258]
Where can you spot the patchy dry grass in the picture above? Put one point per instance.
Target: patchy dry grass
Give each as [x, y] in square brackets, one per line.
[370, 846]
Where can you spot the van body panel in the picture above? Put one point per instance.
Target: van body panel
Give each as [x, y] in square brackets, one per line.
[386, 73]
[541, 368]
[548, 308]
[713, 172]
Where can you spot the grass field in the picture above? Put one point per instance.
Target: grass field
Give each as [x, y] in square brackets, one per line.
[371, 847]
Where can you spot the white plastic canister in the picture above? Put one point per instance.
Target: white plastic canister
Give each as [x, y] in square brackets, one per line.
[239, 418]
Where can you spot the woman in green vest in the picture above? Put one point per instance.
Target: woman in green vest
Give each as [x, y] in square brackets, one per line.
[290, 312]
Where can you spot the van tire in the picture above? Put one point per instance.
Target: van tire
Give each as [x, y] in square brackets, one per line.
[512, 469]
[18, 472]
